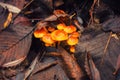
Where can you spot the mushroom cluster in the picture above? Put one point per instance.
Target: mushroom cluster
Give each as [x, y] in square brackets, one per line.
[62, 33]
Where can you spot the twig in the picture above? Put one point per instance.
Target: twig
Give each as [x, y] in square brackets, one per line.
[108, 41]
[91, 12]
[106, 46]
[53, 54]
[21, 11]
[44, 66]
[30, 69]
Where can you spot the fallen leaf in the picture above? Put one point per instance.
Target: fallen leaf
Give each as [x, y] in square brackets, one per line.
[11, 8]
[112, 25]
[117, 65]
[15, 43]
[54, 17]
[74, 70]
[91, 69]
[14, 63]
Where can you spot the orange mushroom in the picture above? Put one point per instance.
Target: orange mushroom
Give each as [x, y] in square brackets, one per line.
[47, 45]
[70, 29]
[47, 39]
[59, 35]
[75, 34]
[40, 33]
[72, 41]
[61, 26]
[72, 49]
[51, 29]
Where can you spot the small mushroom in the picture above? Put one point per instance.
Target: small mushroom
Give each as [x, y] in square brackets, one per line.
[51, 29]
[75, 34]
[48, 39]
[72, 49]
[61, 26]
[72, 41]
[70, 29]
[59, 35]
[39, 33]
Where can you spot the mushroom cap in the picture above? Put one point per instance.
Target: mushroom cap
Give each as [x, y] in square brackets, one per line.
[59, 35]
[72, 49]
[72, 40]
[70, 29]
[47, 45]
[39, 33]
[75, 34]
[47, 39]
[51, 29]
[61, 26]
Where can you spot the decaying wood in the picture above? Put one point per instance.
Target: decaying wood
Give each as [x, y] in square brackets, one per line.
[91, 69]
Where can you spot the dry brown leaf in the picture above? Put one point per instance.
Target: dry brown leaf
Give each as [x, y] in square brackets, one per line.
[91, 69]
[54, 17]
[117, 65]
[15, 43]
[14, 63]
[74, 69]
[11, 8]
[58, 3]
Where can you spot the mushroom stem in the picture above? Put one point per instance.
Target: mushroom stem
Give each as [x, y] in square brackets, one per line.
[58, 43]
[72, 50]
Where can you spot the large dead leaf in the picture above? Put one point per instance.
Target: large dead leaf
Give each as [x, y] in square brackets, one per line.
[94, 42]
[73, 70]
[14, 44]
